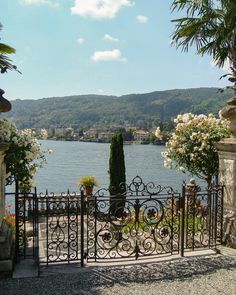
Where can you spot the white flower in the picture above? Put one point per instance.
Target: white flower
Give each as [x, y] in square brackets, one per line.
[158, 133]
[182, 169]
[164, 154]
[168, 163]
[50, 151]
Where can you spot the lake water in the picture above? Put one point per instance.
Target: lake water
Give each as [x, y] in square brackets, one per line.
[72, 160]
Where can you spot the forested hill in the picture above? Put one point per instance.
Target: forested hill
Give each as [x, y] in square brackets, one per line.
[82, 111]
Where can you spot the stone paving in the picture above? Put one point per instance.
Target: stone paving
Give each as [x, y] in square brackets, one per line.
[207, 274]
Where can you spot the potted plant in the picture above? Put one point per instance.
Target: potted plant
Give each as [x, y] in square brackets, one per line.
[88, 182]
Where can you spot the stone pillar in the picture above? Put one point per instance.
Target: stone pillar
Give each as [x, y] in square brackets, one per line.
[3, 148]
[6, 232]
[227, 175]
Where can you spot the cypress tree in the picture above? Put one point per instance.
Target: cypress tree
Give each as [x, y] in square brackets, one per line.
[117, 175]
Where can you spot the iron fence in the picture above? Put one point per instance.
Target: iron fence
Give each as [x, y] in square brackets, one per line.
[147, 220]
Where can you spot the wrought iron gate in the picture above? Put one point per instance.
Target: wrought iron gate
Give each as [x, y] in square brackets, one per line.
[202, 216]
[59, 223]
[148, 220]
[26, 224]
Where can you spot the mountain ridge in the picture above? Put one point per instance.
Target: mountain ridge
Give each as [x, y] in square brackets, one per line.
[84, 111]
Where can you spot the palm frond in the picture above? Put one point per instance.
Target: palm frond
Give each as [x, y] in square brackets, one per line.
[209, 26]
[5, 61]
[6, 49]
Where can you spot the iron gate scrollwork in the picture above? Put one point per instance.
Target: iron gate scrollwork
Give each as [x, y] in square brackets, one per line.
[149, 223]
[59, 224]
[26, 225]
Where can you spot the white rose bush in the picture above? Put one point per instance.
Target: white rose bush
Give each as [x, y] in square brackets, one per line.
[191, 146]
[24, 155]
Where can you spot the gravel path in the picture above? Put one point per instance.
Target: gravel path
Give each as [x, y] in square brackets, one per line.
[206, 275]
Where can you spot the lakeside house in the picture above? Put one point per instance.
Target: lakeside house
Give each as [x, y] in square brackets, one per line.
[91, 133]
[59, 131]
[106, 135]
[141, 135]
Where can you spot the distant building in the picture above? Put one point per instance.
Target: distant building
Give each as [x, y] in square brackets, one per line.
[91, 133]
[106, 135]
[62, 132]
[141, 135]
[59, 131]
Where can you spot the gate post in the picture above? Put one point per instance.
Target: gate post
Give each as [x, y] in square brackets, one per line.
[6, 232]
[82, 228]
[182, 214]
[227, 172]
[3, 148]
[35, 227]
[16, 219]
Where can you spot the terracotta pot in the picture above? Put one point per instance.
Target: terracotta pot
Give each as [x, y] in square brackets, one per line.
[88, 190]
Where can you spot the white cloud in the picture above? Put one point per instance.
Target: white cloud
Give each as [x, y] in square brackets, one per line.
[99, 8]
[112, 55]
[80, 41]
[108, 37]
[52, 3]
[142, 19]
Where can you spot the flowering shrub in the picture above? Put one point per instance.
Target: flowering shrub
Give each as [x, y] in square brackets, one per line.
[9, 216]
[24, 155]
[192, 145]
[41, 134]
[158, 133]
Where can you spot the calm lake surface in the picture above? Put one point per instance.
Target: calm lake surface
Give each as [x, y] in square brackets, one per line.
[72, 160]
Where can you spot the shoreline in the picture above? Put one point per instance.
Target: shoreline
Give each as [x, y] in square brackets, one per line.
[108, 142]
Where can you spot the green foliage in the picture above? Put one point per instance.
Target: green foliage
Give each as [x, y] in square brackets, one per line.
[117, 175]
[88, 181]
[117, 164]
[85, 111]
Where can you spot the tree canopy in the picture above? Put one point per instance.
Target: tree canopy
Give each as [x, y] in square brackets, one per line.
[139, 110]
[5, 61]
[117, 175]
[210, 27]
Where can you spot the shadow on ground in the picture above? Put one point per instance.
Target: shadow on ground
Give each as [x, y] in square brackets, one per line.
[74, 280]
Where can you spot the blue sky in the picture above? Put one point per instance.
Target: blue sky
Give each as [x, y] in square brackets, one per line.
[112, 47]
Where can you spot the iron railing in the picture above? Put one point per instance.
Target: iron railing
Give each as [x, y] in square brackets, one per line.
[148, 221]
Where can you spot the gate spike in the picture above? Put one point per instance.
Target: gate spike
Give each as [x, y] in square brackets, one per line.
[46, 192]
